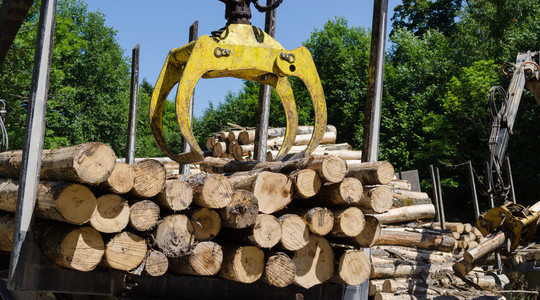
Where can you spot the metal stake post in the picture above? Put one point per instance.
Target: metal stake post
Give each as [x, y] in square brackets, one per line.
[473, 190]
[435, 191]
[193, 35]
[510, 179]
[498, 261]
[33, 143]
[441, 204]
[134, 97]
[263, 108]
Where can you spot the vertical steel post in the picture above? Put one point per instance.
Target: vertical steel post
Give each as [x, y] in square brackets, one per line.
[498, 261]
[441, 204]
[435, 191]
[134, 98]
[473, 190]
[33, 143]
[372, 112]
[510, 179]
[185, 168]
[263, 108]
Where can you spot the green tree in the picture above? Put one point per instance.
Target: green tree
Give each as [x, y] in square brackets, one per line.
[419, 16]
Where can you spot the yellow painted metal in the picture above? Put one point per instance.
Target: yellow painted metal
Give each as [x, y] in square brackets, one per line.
[245, 52]
[516, 219]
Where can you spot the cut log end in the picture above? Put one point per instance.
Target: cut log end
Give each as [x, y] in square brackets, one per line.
[314, 262]
[76, 203]
[217, 192]
[267, 231]
[273, 191]
[206, 224]
[176, 196]
[94, 163]
[370, 234]
[294, 232]
[348, 222]
[144, 215]
[242, 211]
[243, 264]
[204, 260]
[320, 220]
[121, 180]
[111, 215]
[279, 270]
[174, 235]
[156, 264]
[125, 251]
[371, 173]
[331, 169]
[377, 198]
[353, 267]
[150, 177]
[306, 183]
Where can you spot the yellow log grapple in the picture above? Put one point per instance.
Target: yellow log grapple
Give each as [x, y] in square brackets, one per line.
[242, 51]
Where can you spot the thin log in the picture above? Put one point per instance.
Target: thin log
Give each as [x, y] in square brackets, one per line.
[248, 136]
[206, 223]
[348, 222]
[400, 184]
[176, 196]
[419, 239]
[489, 245]
[242, 263]
[279, 270]
[111, 214]
[204, 260]
[150, 177]
[306, 183]
[392, 270]
[272, 190]
[407, 213]
[294, 232]
[419, 255]
[121, 179]
[211, 190]
[63, 201]
[144, 215]
[125, 251]
[314, 262]
[241, 212]
[174, 235]
[372, 173]
[90, 163]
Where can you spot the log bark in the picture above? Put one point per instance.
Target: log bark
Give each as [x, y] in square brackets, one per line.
[401, 202]
[377, 199]
[391, 270]
[347, 192]
[279, 270]
[176, 196]
[210, 142]
[375, 286]
[420, 239]
[242, 263]
[90, 163]
[294, 232]
[204, 260]
[320, 220]
[111, 215]
[206, 223]
[272, 190]
[125, 251]
[248, 136]
[265, 233]
[211, 190]
[144, 215]
[121, 179]
[233, 135]
[348, 222]
[219, 149]
[150, 177]
[419, 255]
[63, 201]
[372, 173]
[400, 184]
[7, 223]
[306, 183]
[489, 245]
[407, 213]
[241, 212]
[78, 248]
[154, 264]
[174, 235]
[314, 262]
[353, 267]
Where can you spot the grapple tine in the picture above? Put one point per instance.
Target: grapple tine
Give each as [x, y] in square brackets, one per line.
[284, 90]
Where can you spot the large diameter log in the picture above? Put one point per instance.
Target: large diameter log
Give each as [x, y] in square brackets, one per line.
[241, 212]
[279, 270]
[121, 179]
[272, 190]
[150, 177]
[347, 192]
[174, 235]
[7, 222]
[125, 251]
[176, 196]
[242, 263]
[78, 248]
[371, 173]
[294, 232]
[211, 190]
[490, 244]
[419, 239]
[144, 215]
[348, 222]
[306, 183]
[314, 262]
[377, 199]
[90, 163]
[206, 223]
[407, 213]
[63, 201]
[265, 233]
[353, 267]
[111, 214]
[204, 259]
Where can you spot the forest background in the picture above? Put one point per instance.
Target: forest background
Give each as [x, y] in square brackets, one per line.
[443, 57]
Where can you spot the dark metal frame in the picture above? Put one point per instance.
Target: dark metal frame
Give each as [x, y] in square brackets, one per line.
[134, 98]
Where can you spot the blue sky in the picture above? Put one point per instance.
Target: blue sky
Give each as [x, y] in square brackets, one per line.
[160, 25]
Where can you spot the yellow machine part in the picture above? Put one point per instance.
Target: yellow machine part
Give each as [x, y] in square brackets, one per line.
[516, 219]
[245, 52]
